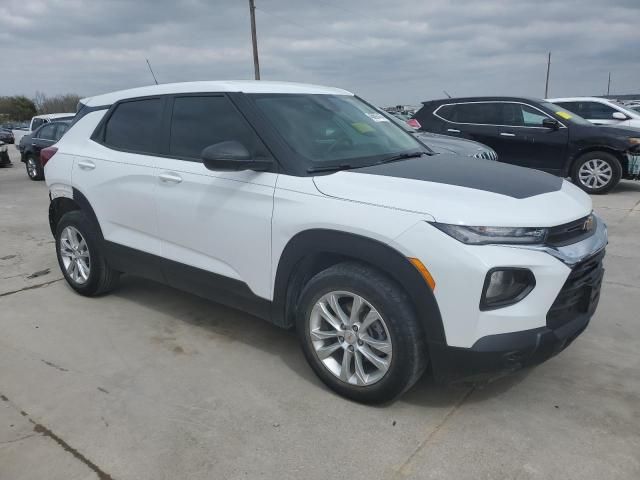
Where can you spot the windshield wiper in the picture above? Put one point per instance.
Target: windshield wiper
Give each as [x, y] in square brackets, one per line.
[402, 156]
[330, 168]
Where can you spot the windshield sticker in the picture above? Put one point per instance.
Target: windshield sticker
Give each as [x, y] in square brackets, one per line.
[362, 127]
[377, 117]
[564, 115]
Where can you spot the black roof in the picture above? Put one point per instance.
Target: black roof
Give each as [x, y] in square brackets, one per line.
[484, 99]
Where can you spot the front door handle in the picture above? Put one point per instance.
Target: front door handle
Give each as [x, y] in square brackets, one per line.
[168, 177]
[507, 134]
[86, 165]
[453, 130]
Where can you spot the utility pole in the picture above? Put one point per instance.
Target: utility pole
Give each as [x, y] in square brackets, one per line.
[546, 87]
[254, 40]
[609, 85]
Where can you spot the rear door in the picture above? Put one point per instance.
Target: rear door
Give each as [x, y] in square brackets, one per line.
[43, 138]
[479, 121]
[116, 174]
[215, 225]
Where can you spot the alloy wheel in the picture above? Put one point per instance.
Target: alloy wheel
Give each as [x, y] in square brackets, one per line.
[350, 338]
[74, 252]
[32, 167]
[595, 173]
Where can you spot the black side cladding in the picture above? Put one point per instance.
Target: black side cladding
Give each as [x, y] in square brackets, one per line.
[479, 174]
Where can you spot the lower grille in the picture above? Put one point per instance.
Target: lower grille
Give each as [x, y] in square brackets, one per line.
[579, 294]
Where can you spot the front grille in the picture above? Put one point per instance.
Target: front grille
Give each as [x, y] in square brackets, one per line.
[571, 232]
[579, 294]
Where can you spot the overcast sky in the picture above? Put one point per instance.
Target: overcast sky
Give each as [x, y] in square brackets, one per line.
[388, 51]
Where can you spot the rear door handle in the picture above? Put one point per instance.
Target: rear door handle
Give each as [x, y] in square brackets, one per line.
[86, 165]
[507, 134]
[453, 130]
[168, 177]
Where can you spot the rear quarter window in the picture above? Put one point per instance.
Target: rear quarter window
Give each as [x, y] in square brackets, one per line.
[447, 112]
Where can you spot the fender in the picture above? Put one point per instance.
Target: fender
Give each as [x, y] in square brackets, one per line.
[306, 250]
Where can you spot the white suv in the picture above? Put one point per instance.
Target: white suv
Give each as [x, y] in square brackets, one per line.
[600, 111]
[307, 207]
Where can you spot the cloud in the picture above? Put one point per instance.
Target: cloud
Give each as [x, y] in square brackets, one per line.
[389, 52]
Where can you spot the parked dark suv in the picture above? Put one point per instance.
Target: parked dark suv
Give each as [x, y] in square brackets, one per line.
[538, 134]
[43, 137]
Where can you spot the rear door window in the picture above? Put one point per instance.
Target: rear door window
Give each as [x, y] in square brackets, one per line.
[47, 132]
[200, 121]
[135, 126]
[60, 129]
[484, 113]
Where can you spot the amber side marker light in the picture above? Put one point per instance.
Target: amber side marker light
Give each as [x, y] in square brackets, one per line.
[424, 272]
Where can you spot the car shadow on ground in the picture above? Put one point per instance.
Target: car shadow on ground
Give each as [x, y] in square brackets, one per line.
[218, 321]
[626, 186]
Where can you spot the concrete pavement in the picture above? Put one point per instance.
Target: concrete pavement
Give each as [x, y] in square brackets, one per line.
[153, 383]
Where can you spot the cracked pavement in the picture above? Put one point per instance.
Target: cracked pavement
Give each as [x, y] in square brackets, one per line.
[152, 383]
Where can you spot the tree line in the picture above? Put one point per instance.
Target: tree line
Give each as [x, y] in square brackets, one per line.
[20, 108]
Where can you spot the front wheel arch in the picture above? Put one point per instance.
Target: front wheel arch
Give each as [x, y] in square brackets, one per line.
[312, 251]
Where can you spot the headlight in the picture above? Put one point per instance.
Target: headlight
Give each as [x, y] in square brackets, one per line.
[488, 235]
[634, 140]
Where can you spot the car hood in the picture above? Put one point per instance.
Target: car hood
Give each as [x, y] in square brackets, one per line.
[461, 190]
[445, 144]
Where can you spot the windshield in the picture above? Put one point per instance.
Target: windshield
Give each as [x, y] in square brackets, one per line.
[565, 115]
[334, 129]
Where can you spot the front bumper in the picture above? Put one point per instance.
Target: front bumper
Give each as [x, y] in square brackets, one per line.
[498, 355]
[493, 356]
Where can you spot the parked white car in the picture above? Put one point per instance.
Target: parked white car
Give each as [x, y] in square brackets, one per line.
[39, 120]
[600, 111]
[305, 206]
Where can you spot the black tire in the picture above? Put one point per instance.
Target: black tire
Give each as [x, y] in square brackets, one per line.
[101, 278]
[409, 351]
[609, 159]
[34, 168]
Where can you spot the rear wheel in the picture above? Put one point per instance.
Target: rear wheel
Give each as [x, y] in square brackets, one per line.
[81, 257]
[597, 172]
[34, 169]
[359, 333]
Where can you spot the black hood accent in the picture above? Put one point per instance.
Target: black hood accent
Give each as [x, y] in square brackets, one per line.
[500, 178]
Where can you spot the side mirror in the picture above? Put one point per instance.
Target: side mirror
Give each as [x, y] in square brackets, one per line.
[618, 116]
[550, 123]
[231, 156]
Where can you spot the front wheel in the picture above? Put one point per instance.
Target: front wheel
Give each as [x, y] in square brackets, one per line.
[597, 172]
[360, 334]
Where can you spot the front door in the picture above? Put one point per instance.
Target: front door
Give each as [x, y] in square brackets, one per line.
[528, 143]
[215, 225]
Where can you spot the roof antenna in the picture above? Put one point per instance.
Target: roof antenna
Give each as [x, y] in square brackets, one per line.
[445, 92]
[151, 70]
